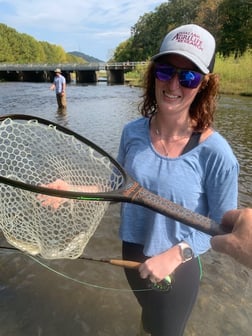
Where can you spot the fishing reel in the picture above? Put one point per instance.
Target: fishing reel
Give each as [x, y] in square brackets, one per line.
[164, 285]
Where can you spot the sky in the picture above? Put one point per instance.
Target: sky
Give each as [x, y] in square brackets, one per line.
[93, 27]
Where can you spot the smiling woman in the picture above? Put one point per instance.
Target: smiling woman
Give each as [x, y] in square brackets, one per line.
[176, 141]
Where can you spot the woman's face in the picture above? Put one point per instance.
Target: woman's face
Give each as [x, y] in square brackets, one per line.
[170, 95]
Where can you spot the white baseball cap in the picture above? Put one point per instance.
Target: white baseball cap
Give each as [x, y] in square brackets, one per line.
[192, 42]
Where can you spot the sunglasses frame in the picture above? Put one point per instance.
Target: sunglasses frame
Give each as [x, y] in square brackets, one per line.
[182, 74]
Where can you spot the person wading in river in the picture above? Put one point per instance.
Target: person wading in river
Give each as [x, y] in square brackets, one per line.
[59, 85]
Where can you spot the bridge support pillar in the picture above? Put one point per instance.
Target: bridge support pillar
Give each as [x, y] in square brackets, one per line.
[87, 76]
[115, 76]
[12, 76]
[34, 76]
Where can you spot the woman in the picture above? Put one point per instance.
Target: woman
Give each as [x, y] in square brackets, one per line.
[173, 151]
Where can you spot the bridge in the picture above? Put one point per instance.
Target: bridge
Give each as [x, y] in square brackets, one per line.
[82, 73]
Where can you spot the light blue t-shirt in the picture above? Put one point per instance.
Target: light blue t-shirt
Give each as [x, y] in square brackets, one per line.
[59, 81]
[204, 180]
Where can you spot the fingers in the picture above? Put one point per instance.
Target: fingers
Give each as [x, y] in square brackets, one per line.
[230, 217]
[148, 273]
[52, 201]
[219, 243]
[154, 279]
[57, 184]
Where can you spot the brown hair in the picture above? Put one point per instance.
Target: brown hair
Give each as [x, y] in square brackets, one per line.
[203, 107]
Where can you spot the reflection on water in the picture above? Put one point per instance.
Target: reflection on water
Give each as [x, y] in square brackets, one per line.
[37, 301]
[234, 122]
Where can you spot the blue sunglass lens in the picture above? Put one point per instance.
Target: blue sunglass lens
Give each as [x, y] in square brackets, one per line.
[165, 73]
[187, 78]
[190, 79]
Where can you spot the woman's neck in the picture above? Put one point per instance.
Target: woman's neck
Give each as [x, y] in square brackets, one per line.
[168, 127]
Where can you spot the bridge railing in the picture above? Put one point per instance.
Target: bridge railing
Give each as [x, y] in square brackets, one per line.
[69, 67]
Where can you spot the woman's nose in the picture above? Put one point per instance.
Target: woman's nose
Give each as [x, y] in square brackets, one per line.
[174, 82]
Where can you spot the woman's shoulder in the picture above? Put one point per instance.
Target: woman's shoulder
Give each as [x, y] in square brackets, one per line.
[137, 122]
[216, 146]
[136, 125]
[216, 139]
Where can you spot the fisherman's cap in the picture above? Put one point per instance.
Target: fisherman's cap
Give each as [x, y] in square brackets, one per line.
[193, 42]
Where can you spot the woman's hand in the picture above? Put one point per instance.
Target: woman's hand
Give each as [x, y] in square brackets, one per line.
[54, 201]
[58, 184]
[161, 265]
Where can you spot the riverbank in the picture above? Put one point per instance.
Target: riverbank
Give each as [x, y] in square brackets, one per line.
[235, 74]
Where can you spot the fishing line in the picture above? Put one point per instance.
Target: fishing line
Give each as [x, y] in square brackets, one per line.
[81, 282]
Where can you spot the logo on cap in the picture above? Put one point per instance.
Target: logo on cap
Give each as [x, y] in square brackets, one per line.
[189, 38]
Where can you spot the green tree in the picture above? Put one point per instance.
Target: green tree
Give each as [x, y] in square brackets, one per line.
[149, 31]
[23, 48]
[236, 20]
[183, 11]
[5, 48]
[228, 20]
[124, 51]
[208, 17]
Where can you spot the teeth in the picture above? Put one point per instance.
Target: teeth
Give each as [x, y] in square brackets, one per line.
[169, 95]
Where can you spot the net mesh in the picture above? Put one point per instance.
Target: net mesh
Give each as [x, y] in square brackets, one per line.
[37, 154]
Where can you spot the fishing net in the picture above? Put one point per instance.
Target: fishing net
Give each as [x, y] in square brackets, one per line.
[37, 154]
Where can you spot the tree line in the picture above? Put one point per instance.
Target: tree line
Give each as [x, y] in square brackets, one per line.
[229, 21]
[24, 49]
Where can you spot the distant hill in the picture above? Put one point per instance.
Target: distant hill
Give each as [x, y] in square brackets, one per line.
[89, 59]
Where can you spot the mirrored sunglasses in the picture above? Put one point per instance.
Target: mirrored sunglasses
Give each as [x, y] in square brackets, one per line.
[187, 78]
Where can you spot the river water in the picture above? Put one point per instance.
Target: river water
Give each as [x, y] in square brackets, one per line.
[77, 297]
